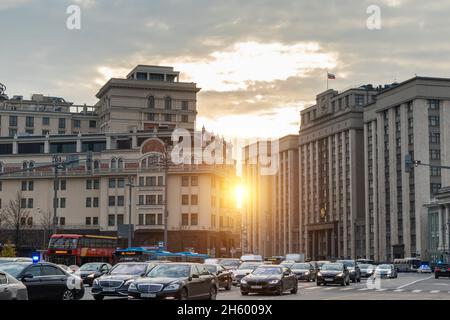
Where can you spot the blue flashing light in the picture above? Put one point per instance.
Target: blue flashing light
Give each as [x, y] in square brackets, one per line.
[35, 257]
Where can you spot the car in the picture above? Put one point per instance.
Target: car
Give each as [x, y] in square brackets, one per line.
[442, 270]
[274, 260]
[223, 275]
[45, 280]
[333, 273]
[244, 269]
[212, 260]
[366, 270]
[385, 271]
[304, 271]
[92, 270]
[320, 263]
[269, 279]
[287, 263]
[15, 259]
[424, 269]
[179, 280]
[353, 269]
[65, 268]
[116, 281]
[229, 263]
[251, 258]
[11, 288]
[74, 268]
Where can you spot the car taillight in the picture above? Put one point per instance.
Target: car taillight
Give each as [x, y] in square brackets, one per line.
[437, 269]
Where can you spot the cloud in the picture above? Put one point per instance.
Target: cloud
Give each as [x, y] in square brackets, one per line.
[8, 4]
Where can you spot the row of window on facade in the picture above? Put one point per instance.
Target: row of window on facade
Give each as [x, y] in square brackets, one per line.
[168, 103]
[166, 117]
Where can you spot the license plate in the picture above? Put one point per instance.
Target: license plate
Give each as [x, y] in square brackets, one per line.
[148, 295]
[329, 280]
[109, 289]
[256, 287]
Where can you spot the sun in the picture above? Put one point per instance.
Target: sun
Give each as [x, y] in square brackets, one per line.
[240, 194]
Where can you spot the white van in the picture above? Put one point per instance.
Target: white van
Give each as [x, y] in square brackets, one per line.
[251, 258]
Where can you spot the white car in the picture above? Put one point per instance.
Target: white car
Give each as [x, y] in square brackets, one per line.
[424, 269]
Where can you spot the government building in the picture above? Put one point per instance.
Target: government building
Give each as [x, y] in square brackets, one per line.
[129, 134]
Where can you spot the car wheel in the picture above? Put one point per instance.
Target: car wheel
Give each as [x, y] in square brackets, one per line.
[99, 297]
[184, 294]
[213, 293]
[436, 277]
[228, 286]
[68, 295]
[295, 289]
[280, 290]
[244, 293]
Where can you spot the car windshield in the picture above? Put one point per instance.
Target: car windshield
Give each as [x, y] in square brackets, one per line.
[365, 266]
[170, 271]
[332, 266]
[90, 267]
[321, 263]
[248, 266]
[266, 271]
[384, 267]
[13, 269]
[347, 263]
[230, 263]
[133, 269]
[211, 268]
[301, 266]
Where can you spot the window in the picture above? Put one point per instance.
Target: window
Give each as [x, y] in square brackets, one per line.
[160, 199]
[151, 102]
[61, 123]
[120, 201]
[150, 116]
[92, 124]
[95, 221]
[184, 118]
[168, 103]
[88, 184]
[62, 221]
[194, 199]
[359, 99]
[150, 219]
[96, 184]
[62, 184]
[194, 181]
[111, 201]
[435, 187]
[433, 121]
[111, 220]
[435, 172]
[24, 185]
[30, 221]
[160, 181]
[121, 183]
[95, 202]
[141, 200]
[435, 137]
[88, 221]
[13, 121]
[12, 132]
[112, 183]
[168, 117]
[433, 104]
[62, 203]
[435, 154]
[45, 121]
[120, 219]
[185, 199]
[77, 123]
[185, 181]
[194, 219]
[29, 122]
[88, 202]
[184, 105]
[185, 219]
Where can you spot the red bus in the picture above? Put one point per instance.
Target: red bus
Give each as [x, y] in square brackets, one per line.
[75, 249]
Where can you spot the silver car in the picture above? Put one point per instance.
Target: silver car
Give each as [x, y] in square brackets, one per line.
[12, 289]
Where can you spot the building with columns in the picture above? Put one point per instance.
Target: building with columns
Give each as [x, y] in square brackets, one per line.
[331, 174]
[129, 132]
[408, 118]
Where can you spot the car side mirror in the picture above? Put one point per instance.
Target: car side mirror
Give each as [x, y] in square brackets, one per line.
[286, 273]
[219, 272]
[247, 273]
[195, 276]
[27, 276]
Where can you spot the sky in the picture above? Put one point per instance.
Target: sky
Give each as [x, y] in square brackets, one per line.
[258, 62]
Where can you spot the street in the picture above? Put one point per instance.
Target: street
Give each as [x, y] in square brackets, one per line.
[408, 286]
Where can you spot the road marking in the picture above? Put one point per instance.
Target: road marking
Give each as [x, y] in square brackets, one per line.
[408, 284]
[379, 290]
[399, 290]
[416, 291]
[364, 289]
[330, 288]
[311, 288]
[435, 291]
[346, 289]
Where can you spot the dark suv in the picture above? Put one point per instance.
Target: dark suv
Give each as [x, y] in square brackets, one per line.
[353, 269]
[442, 270]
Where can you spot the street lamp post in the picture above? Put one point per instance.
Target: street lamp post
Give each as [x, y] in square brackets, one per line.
[130, 226]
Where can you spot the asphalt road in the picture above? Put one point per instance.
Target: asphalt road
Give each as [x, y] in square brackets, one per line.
[406, 287]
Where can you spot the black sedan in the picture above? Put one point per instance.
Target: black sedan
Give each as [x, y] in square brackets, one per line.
[11, 288]
[442, 270]
[181, 281]
[115, 283]
[353, 269]
[333, 273]
[304, 271]
[46, 280]
[269, 279]
[91, 271]
[223, 275]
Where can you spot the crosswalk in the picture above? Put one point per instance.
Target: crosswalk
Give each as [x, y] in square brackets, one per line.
[374, 289]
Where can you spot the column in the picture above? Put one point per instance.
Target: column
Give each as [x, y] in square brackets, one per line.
[405, 180]
[440, 228]
[344, 188]
[15, 145]
[79, 143]
[47, 144]
[366, 188]
[314, 250]
[108, 142]
[447, 224]
[381, 254]
[393, 181]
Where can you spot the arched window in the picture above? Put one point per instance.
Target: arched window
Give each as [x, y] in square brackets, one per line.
[168, 103]
[25, 165]
[120, 163]
[31, 165]
[151, 102]
[113, 163]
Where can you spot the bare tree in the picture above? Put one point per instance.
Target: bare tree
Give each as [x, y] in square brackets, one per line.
[16, 217]
[46, 222]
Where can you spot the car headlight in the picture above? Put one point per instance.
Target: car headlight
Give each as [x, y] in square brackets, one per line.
[307, 272]
[319, 274]
[340, 274]
[274, 281]
[132, 287]
[172, 287]
[243, 281]
[128, 282]
[352, 271]
[91, 275]
[95, 283]
[389, 272]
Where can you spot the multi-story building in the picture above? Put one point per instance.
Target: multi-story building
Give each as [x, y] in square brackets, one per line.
[408, 118]
[126, 144]
[331, 174]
